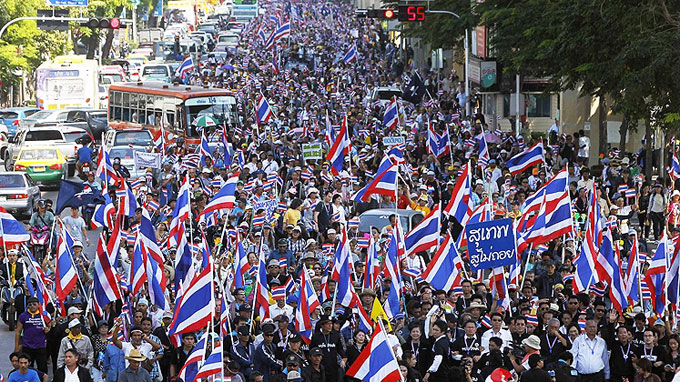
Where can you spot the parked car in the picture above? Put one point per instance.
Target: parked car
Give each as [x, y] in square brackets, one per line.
[44, 164]
[18, 193]
[43, 116]
[11, 117]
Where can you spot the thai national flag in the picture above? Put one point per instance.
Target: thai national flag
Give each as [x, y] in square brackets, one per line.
[443, 271]
[339, 148]
[425, 235]
[483, 153]
[282, 31]
[630, 193]
[186, 66]
[278, 293]
[196, 306]
[622, 188]
[213, 364]
[308, 302]
[610, 257]
[376, 363]
[391, 117]
[105, 287]
[362, 242]
[225, 197]
[258, 220]
[384, 183]
[351, 54]
[264, 111]
[530, 157]
[674, 169]
[11, 230]
[533, 320]
[67, 277]
[190, 368]
[486, 321]
[588, 269]
[458, 205]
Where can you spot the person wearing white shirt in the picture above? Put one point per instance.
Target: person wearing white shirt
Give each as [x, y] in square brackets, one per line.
[281, 308]
[496, 331]
[591, 358]
[270, 165]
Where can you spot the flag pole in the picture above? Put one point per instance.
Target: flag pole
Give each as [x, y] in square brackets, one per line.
[526, 267]
[257, 283]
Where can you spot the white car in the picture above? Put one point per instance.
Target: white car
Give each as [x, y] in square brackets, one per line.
[56, 116]
[127, 159]
[384, 94]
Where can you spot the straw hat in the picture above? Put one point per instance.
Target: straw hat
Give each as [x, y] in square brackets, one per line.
[135, 355]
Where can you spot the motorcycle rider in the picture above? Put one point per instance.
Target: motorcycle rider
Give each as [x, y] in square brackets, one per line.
[84, 155]
[75, 226]
[96, 188]
[12, 274]
[41, 219]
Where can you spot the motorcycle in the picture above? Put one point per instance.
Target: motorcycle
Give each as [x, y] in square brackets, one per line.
[84, 170]
[11, 296]
[40, 238]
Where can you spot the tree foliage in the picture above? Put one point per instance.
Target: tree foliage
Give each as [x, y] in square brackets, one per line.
[23, 46]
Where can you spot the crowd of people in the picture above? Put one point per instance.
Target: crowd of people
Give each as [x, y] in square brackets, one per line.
[545, 333]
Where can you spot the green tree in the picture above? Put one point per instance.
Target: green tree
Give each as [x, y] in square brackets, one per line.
[23, 46]
[624, 51]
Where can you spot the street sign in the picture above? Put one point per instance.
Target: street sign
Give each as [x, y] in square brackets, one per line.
[67, 3]
[393, 141]
[53, 25]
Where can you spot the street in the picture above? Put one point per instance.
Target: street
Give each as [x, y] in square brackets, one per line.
[7, 337]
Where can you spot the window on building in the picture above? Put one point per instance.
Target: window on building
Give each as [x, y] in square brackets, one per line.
[538, 105]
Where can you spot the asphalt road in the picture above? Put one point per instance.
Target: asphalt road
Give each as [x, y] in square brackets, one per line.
[7, 337]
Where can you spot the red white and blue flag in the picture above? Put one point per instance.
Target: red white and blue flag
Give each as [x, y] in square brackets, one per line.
[376, 363]
[308, 302]
[339, 148]
[67, 277]
[391, 116]
[351, 54]
[225, 197]
[262, 295]
[264, 111]
[11, 230]
[674, 168]
[105, 284]
[196, 306]
[523, 161]
[617, 292]
[443, 272]
[458, 206]
[384, 183]
[212, 365]
[426, 234]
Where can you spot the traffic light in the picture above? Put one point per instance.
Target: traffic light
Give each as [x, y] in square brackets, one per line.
[387, 14]
[104, 23]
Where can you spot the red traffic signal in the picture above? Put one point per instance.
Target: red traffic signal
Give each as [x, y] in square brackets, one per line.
[104, 23]
[389, 14]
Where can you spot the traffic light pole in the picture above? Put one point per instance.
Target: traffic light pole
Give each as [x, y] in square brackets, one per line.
[467, 59]
[38, 18]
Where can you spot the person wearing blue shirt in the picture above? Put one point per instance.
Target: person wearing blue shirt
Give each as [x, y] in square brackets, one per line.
[24, 374]
[281, 252]
[114, 362]
[84, 155]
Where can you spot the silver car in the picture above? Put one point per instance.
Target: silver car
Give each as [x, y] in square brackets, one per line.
[18, 193]
[380, 218]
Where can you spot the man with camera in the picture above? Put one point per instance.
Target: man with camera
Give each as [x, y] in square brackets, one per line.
[75, 339]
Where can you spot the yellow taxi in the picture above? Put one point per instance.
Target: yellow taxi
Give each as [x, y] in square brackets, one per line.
[45, 165]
